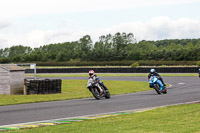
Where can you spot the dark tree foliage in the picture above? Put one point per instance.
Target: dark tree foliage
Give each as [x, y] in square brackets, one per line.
[118, 47]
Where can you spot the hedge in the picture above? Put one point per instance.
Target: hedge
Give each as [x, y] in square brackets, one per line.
[117, 63]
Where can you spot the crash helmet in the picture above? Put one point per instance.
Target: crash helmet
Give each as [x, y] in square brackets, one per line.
[91, 73]
[152, 71]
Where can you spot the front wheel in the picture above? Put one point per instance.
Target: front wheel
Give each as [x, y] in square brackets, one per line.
[157, 88]
[96, 93]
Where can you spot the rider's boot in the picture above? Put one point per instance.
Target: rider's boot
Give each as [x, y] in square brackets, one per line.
[106, 89]
[163, 83]
[107, 92]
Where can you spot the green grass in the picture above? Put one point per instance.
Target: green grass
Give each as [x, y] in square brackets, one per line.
[109, 75]
[172, 119]
[74, 89]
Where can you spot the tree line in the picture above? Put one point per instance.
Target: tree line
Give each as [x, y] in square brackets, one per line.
[117, 47]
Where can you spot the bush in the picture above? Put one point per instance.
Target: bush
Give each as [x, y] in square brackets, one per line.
[85, 63]
[198, 63]
[116, 63]
[135, 64]
[4, 60]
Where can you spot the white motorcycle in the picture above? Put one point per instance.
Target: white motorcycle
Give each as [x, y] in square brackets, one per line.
[97, 90]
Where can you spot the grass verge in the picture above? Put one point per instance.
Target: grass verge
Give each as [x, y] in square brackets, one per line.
[74, 89]
[172, 119]
[109, 75]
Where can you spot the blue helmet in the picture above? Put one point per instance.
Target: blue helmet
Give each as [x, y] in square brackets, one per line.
[152, 71]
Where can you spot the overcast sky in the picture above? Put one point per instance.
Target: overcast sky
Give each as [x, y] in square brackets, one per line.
[40, 22]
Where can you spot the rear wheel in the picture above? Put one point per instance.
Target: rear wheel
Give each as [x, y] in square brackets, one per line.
[96, 93]
[164, 91]
[107, 94]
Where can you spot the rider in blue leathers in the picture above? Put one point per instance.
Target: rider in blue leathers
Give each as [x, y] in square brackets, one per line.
[199, 72]
[154, 73]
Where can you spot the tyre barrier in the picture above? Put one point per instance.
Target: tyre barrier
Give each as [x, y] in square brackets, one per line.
[45, 86]
[116, 70]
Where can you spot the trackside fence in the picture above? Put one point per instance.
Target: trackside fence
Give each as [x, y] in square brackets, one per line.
[116, 70]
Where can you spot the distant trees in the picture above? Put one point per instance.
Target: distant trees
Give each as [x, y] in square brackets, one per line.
[15, 53]
[164, 50]
[118, 47]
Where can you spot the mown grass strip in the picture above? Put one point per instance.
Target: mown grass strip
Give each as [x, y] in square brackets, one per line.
[75, 89]
[9, 128]
[172, 119]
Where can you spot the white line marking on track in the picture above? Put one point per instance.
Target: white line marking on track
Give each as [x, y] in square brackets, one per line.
[181, 83]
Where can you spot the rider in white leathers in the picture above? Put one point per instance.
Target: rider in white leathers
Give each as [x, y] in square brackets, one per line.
[97, 79]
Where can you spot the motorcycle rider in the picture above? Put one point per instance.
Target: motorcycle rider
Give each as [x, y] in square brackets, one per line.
[154, 73]
[199, 72]
[97, 79]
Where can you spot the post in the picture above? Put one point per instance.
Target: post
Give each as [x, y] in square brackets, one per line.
[35, 72]
[33, 66]
[25, 90]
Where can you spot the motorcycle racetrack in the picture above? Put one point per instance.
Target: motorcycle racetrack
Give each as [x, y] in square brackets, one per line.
[181, 90]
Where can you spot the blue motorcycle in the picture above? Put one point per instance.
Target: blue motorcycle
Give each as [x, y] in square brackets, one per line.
[155, 83]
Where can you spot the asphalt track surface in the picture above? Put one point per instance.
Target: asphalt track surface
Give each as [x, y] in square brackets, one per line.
[183, 89]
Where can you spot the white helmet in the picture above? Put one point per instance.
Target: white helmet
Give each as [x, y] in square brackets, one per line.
[152, 71]
[91, 73]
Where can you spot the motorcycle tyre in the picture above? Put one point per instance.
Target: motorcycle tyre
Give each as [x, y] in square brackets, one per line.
[156, 88]
[165, 92]
[94, 93]
[107, 95]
